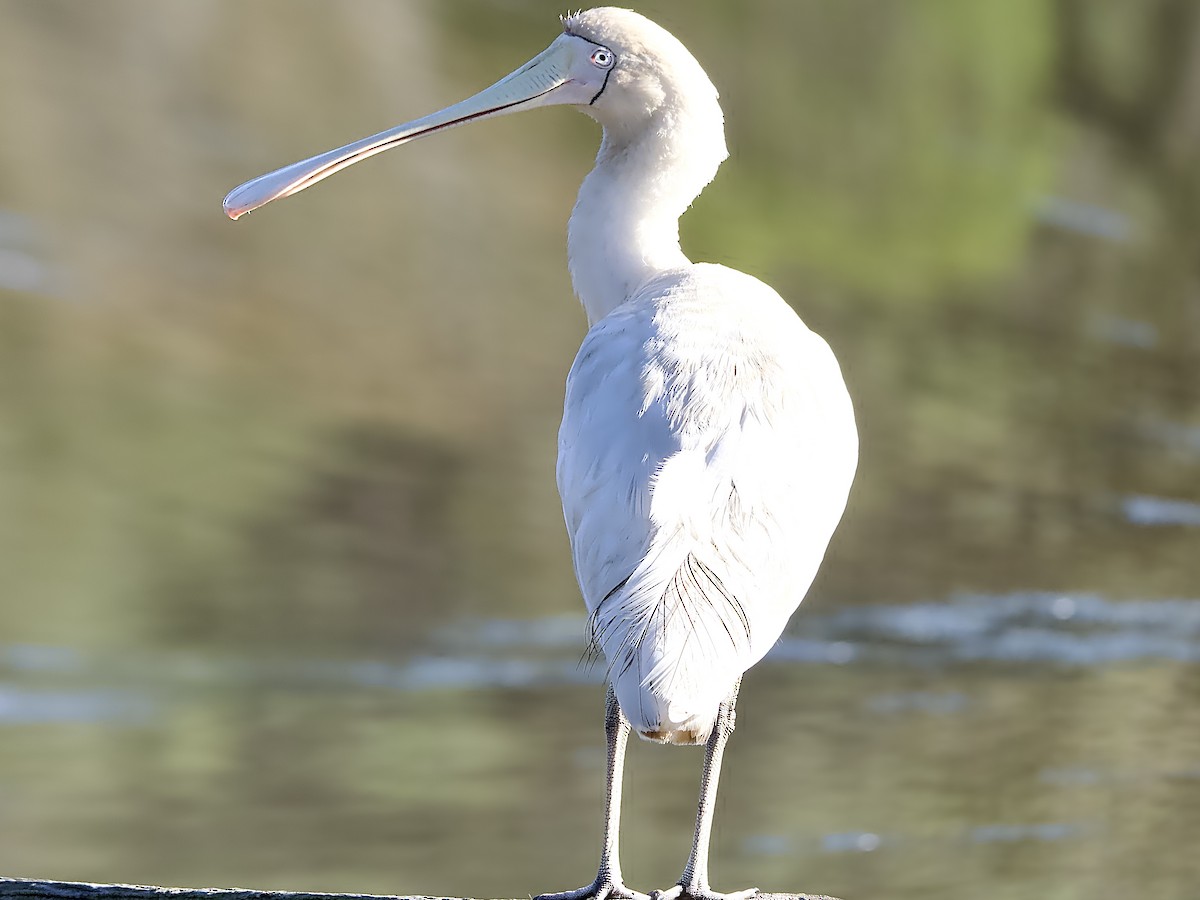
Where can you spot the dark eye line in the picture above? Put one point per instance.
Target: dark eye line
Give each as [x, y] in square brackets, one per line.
[607, 73]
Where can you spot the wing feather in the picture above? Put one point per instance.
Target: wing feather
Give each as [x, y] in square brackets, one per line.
[705, 455]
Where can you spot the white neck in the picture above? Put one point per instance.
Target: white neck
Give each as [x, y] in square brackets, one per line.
[624, 229]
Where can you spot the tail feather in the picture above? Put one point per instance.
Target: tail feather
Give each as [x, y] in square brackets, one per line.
[676, 639]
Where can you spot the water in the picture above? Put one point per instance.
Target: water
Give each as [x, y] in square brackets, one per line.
[285, 599]
[929, 748]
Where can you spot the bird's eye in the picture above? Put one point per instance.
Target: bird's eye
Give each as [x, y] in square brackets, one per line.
[602, 58]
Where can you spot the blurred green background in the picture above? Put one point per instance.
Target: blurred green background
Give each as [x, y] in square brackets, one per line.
[285, 596]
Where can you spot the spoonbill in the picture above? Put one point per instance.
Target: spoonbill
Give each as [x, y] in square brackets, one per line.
[708, 442]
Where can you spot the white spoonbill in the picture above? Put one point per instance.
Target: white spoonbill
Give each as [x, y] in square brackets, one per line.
[708, 442]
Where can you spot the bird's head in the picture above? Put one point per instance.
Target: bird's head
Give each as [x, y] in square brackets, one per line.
[617, 66]
[649, 73]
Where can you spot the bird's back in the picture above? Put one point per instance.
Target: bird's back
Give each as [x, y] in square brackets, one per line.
[705, 455]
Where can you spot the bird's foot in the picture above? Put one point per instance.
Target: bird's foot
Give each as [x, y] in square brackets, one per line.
[603, 888]
[699, 891]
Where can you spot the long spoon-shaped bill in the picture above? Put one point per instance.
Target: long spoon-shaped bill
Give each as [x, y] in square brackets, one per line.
[543, 81]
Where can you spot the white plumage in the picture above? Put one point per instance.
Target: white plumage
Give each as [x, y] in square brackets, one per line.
[708, 443]
[704, 456]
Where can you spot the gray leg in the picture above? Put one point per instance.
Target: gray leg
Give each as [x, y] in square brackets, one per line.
[694, 881]
[608, 881]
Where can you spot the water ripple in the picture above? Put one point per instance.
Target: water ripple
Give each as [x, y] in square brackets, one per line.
[1054, 628]
[19, 706]
[1066, 630]
[1145, 510]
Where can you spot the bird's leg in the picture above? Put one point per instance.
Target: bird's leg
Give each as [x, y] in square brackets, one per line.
[694, 881]
[609, 882]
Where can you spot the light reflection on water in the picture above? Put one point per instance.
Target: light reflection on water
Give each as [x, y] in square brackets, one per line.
[1150, 511]
[1085, 218]
[20, 706]
[1053, 629]
[917, 665]
[22, 264]
[362, 741]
